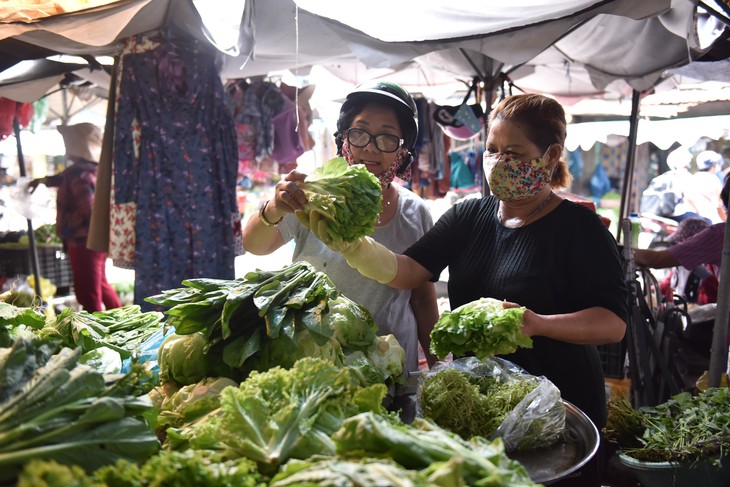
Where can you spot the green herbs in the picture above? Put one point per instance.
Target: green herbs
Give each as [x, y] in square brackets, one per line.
[348, 197]
[482, 327]
[470, 405]
[685, 428]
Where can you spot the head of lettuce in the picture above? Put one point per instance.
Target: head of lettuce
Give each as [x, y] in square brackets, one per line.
[483, 328]
[347, 197]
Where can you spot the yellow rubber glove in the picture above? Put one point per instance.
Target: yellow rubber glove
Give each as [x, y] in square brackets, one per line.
[368, 257]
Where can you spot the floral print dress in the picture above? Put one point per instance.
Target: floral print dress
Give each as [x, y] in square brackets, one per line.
[181, 170]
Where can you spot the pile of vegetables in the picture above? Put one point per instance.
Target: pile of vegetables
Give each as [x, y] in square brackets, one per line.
[281, 413]
[482, 327]
[229, 328]
[123, 329]
[53, 407]
[493, 399]
[441, 456]
[348, 198]
[684, 429]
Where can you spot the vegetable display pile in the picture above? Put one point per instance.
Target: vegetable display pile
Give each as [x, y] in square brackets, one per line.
[266, 319]
[282, 413]
[684, 429]
[425, 446]
[482, 327]
[121, 329]
[348, 198]
[52, 407]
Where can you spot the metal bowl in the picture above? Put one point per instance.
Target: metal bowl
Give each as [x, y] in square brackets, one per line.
[550, 464]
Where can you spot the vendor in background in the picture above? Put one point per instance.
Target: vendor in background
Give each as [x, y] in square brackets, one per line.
[704, 247]
[377, 127]
[526, 245]
[74, 201]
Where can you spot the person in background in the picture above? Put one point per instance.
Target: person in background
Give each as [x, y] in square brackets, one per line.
[528, 246]
[705, 193]
[679, 162]
[704, 247]
[74, 202]
[698, 285]
[377, 127]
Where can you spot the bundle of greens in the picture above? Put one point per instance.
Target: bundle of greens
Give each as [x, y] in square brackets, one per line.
[237, 316]
[281, 414]
[470, 405]
[482, 327]
[52, 407]
[15, 321]
[122, 329]
[266, 319]
[684, 429]
[348, 198]
[493, 398]
[423, 445]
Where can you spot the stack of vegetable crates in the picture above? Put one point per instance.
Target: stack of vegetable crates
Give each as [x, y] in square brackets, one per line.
[53, 264]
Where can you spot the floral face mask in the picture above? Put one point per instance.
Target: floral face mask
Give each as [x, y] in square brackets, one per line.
[512, 179]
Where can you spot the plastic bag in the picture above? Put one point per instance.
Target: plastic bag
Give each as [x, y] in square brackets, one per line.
[148, 351]
[538, 420]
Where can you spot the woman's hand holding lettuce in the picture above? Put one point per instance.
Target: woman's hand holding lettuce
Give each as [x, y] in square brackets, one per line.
[483, 327]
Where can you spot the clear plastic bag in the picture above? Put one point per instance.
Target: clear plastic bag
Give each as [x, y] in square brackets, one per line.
[538, 420]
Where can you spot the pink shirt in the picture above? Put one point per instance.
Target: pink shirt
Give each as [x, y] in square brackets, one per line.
[702, 248]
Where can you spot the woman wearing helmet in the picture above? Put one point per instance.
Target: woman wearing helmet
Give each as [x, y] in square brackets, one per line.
[377, 127]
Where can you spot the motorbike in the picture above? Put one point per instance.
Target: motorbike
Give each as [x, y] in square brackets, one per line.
[655, 230]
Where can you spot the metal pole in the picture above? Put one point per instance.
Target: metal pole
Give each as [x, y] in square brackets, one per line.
[630, 156]
[719, 349]
[31, 235]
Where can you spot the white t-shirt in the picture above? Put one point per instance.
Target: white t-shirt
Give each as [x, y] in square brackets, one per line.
[389, 307]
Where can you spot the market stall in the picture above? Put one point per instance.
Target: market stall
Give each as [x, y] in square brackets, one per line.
[278, 419]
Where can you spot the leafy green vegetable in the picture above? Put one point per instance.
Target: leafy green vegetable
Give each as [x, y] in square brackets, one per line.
[11, 315]
[482, 327]
[238, 317]
[348, 197]
[182, 358]
[365, 472]
[193, 401]
[351, 323]
[281, 414]
[55, 408]
[169, 468]
[388, 356]
[684, 429]
[470, 405]
[423, 445]
[121, 329]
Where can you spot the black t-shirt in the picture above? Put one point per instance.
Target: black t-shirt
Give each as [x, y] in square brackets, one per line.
[564, 262]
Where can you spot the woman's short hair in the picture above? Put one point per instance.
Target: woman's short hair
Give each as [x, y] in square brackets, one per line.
[543, 120]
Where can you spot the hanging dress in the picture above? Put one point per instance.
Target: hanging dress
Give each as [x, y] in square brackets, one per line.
[183, 177]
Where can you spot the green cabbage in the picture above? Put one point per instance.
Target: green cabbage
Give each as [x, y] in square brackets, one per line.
[388, 356]
[182, 358]
[348, 197]
[482, 327]
[352, 325]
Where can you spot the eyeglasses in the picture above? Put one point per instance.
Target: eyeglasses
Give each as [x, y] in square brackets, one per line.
[384, 142]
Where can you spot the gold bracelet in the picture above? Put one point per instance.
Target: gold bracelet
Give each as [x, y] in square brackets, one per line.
[262, 216]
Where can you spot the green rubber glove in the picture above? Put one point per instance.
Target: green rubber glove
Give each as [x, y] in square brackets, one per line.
[368, 257]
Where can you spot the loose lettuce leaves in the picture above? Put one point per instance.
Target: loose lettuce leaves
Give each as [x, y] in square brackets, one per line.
[482, 327]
